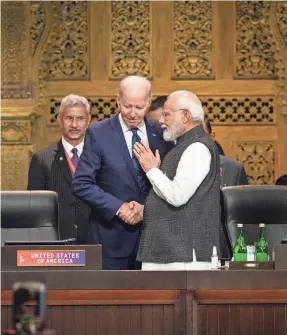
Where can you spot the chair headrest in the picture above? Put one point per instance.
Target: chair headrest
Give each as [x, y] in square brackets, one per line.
[255, 204]
[29, 209]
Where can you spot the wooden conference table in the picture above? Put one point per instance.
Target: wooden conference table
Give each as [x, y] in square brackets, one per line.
[91, 302]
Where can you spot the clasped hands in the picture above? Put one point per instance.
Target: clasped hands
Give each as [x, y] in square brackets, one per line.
[131, 212]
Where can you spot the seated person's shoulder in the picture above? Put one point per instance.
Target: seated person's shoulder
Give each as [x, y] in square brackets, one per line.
[102, 124]
[46, 151]
[229, 161]
[153, 123]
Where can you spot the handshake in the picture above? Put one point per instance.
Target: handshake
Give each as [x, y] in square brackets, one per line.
[131, 212]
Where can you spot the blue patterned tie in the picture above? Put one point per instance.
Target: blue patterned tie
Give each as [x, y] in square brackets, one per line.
[139, 172]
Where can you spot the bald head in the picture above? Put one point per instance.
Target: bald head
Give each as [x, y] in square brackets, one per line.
[133, 84]
[189, 101]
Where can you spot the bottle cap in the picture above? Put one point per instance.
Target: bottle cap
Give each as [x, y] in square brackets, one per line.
[239, 225]
[261, 225]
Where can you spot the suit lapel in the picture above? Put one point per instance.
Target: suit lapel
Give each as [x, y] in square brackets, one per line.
[222, 172]
[153, 139]
[61, 160]
[121, 144]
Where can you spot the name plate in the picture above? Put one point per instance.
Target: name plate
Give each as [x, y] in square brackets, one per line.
[51, 257]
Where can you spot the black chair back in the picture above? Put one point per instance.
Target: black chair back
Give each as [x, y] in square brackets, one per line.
[29, 216]
[251, 205]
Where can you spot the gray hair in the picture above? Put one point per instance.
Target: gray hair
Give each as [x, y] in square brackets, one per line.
[74, 100]
[189, 101]
[131, 82]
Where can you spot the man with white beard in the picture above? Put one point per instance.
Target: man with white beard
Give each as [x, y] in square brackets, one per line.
[182, 211]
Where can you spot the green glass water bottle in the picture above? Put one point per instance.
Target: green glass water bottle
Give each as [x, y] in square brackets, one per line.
[240, 249]
[262, 246]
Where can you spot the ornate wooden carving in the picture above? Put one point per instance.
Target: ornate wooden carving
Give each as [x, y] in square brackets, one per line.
[37, 23]
[15, 51]
[255, 51]
[15, 132]
[259, 161]
[101, 108]
[282, 19]
[14, 166]
[130, 40]
[217, 109]
[239, 109]
[16, 129]
[192, 39]
[281, 43]
[57, 34]
[68, 43]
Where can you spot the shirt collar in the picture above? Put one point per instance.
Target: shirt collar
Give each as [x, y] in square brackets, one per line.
[141, 126]
[68, 147]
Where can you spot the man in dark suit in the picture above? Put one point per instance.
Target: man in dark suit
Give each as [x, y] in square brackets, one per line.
[282, 180]
[109, 177]
[232, 172]
[53, 167]
[208, 129]
[156, 107]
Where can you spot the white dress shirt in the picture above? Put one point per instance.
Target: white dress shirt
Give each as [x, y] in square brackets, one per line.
[192, 168]
[68, 147]
[129, 134]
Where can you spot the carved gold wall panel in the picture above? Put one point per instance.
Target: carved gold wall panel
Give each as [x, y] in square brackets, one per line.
[192, 22]
[54, 48]
[282, 19]
[15, 132]
[259, 161]
[15, 50]
[255, 51]
[101, 108]
[14, 167]
[130, 39]
[37, 23]
[239, 109]
[68, 43]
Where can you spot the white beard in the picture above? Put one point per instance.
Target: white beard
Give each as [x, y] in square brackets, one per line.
[172, 133]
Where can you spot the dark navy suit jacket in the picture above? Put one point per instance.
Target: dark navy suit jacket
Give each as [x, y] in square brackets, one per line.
[106, 177]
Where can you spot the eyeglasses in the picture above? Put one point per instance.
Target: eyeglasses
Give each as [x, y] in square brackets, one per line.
[79, 119]
[165, 114]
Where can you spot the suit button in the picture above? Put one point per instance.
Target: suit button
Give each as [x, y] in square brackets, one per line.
[78, 207]
[75, 226]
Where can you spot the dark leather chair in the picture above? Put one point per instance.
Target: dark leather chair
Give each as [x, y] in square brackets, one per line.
[29, 216]
[251, 205]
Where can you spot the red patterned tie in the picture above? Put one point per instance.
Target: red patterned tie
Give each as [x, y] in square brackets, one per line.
[75, 158]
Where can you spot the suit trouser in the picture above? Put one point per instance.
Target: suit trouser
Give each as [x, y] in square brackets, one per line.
[129, 263]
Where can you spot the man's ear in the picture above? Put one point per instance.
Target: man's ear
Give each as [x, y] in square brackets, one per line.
[212, 135]
[149, 102]
[186, 116]
[59, 119]
[118, 101]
